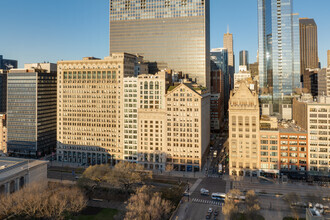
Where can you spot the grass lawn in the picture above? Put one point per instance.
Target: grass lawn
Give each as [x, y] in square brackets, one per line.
[91, 213]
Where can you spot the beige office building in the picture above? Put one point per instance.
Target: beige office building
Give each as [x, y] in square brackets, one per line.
[313, 117]
[106, 114]
[188, 126]
[152, 120]
[244, 132]
[89, 123]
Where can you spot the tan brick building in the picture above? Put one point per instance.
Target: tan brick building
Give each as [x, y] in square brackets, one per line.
[313, 116]
[106, 114]
[188, 126]
[244, 152]
[89, 108]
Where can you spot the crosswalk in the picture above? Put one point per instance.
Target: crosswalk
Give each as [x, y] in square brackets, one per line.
[211, 202]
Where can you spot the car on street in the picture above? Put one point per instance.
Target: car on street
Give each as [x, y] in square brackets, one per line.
[205, 192]
[216, 213]
[208, 216]
[210, 210]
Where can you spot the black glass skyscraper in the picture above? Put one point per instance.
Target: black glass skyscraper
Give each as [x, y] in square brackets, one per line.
[172, 33]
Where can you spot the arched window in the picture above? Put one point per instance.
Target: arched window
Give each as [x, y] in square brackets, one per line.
[151, 85]
[157, 85]
[145, 85]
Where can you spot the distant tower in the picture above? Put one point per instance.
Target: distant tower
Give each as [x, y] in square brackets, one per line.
[229, 45]
[308, 44]
[244, 58]
[328, 58]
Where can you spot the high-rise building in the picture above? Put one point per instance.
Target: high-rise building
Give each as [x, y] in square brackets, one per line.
[310, 81]
[244, 132]
[254, 69]
[7, 64]
[328, 56]
[3, 91]
[89, 109]
[217, 98]
[106, 113]
[3, 134]
[173, 34]
[308, 44]
[228, 43]
[312, 116]
[323, 78]
[188, 126]
[244, 58]
[31, 111]
[279, 55]
[219, 62]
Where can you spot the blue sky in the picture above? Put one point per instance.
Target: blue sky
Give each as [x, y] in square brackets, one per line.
[52, 30]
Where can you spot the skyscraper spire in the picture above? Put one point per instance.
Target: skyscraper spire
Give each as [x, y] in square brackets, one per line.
[227, 28]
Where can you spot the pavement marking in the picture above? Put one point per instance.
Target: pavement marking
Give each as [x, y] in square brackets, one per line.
[193, 187]
[195, 200]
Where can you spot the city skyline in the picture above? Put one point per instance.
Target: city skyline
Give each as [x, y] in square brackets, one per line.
[67, 31]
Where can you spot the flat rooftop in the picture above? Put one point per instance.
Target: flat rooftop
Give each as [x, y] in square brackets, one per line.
[10, 166]
[288, 127]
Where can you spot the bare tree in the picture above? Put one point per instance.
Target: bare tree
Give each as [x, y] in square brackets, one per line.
[145, 205]
[127, 175]
[231, 207]
[40, 201]
[97, 173]
[292, 198]
[252, 204]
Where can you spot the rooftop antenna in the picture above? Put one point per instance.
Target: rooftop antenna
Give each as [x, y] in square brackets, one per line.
[227, 28]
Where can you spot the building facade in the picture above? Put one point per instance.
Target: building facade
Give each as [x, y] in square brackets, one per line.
[244, 58]
[310, 81]
[219, 62]
[228, 43]
[269, 151]
[6, 64]
[3, 133]
[308, 44]
[31, 112]
[240, 76]
[279, 55]
[107, 115]
[293, 147]
[3, 91]
[217, 98]
[173, 34]
[244, 151]
[323, 78]
[254, 69]
[89, 121]
[188, 126]
[15, 173]
[313, 116]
